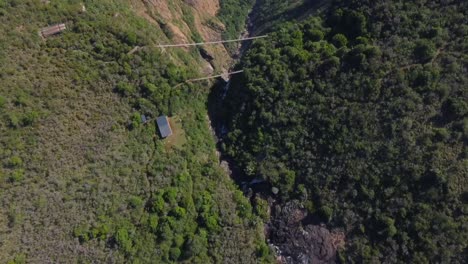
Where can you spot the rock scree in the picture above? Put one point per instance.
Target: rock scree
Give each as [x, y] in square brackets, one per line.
[298, 243]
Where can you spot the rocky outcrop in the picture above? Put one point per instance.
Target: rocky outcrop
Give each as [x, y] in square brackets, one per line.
[298, 243]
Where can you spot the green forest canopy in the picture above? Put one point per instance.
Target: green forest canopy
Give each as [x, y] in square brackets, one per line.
[362, 115]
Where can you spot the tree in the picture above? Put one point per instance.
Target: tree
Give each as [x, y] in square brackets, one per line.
[424, 50]
[339, 40]
[174, 254]
[123, 240]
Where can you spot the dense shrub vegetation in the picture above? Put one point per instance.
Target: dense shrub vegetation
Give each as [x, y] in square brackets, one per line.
[362, 115]
[81, 178]
[233, 14]
[269, 14]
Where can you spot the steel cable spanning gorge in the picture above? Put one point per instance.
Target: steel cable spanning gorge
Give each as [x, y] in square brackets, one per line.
[209, 42]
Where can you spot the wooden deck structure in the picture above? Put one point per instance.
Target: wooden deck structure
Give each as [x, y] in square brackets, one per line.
[52, 30]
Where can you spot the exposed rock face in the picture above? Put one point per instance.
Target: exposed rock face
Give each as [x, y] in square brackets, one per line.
[295, 243]
[174, 20]
[311, 244]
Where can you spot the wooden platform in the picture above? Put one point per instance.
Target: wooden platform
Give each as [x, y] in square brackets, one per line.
[52, 30]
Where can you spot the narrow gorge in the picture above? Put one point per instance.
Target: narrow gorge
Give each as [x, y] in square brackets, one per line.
[340, 137]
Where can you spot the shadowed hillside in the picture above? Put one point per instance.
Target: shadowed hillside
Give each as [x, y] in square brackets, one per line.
[356, 119]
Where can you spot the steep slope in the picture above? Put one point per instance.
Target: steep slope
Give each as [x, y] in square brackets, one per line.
[81, 178]
[359, 116]
[188, 21]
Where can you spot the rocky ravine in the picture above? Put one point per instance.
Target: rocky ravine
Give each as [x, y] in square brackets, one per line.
[292, 239]
[290, 234]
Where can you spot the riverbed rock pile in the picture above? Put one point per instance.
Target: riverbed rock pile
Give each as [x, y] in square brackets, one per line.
[298, 243]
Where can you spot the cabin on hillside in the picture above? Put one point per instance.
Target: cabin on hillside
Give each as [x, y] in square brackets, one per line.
[164, 126]
[52, 30]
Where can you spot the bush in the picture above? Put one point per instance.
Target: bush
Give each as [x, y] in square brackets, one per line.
[424, 50]
[153, 222]
[174, 254]
[3, 101]
[15, 161]
[456, 107]
[389, 226]
[263, 250]
[315, 35]
[262, 209]
[326, 213]
[135, 202]
[19, 259]
[211, 223]
[179, 212]
[29, 118]
[17, 175]
[339, 40]
[131, 38]
[123, 240]
[81, 233]
[157, 204]
[13, 120]
[136, 120]
[125, 89]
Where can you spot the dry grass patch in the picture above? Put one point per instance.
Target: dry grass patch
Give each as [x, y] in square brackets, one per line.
[178, 137]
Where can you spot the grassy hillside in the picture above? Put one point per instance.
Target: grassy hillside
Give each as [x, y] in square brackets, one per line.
[81, 179]
[361, 114]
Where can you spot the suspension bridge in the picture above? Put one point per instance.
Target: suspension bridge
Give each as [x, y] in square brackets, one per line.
[208, 42]
[225, 75]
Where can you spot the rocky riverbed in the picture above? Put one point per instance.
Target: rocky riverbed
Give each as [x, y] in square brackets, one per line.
[289, 232]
